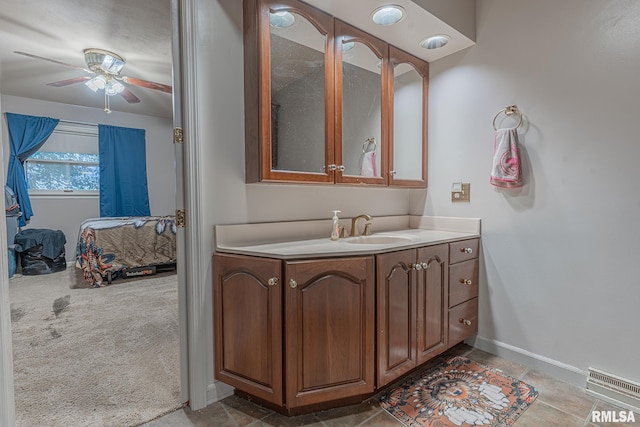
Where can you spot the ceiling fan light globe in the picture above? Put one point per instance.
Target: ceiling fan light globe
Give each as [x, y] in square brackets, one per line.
[100, 81]
[114, 87]
[96, 83]
[91, 85]
[111, 64]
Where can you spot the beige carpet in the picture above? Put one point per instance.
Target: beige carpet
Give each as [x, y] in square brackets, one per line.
[94, 357]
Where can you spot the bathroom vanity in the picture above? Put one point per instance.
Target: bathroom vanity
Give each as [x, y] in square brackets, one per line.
[304, 323]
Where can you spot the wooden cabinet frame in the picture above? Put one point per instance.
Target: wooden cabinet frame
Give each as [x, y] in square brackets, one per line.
[257, 69]
[379, 48]
[411, 309]
[255, 372]
[258, 123]
[397, 56]
[325, 292]
[305, 335]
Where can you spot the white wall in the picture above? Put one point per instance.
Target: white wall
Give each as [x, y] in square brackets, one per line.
[560, 255]
[228, 200]
[67, 213]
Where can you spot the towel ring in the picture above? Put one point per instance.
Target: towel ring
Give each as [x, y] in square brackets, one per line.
[367, 143]
[508, 111]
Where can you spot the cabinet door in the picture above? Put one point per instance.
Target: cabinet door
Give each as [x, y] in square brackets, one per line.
[432, 301]
[362, 106]
[329, 329]
[396, 308]
[408, 154]
[248, 324]
[289, 104]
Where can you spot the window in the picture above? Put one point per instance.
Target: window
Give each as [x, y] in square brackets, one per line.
[66, 163]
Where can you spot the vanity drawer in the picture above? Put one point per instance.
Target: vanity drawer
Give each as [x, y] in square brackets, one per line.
[463, 281]
[464, 250]
[463, 321]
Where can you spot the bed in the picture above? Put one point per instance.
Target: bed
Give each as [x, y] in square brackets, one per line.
[110, 248]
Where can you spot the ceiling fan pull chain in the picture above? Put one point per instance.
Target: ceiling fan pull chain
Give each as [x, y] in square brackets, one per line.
[107, 103]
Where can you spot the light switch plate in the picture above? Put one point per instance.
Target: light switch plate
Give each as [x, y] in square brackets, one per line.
[463, 195]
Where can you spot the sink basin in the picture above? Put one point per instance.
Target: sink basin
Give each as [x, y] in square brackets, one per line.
[377, 240]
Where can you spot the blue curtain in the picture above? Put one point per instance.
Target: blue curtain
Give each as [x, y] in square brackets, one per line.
[123, 172]
[26, 136]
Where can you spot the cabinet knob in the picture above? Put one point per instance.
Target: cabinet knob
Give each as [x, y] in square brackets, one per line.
[341, 168]
[392, 173]
[332, 167]
[417, 266]
[273, 281]
[293, 284]
[466, 282]
[466, 250]
[464, 321]
[424, 265]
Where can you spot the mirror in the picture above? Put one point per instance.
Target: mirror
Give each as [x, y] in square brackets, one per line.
[408, 122]
[298, 101]
[361, 109]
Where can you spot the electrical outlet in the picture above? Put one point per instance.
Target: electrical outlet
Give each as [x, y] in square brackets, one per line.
[460, 192]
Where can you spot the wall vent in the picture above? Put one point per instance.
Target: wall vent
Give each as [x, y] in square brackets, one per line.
[613, 389]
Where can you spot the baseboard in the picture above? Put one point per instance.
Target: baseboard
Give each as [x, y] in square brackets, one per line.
[559, 370]
[218, 391]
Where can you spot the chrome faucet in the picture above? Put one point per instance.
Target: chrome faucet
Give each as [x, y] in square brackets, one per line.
[354, 225]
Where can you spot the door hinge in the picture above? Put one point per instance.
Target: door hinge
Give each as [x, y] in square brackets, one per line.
[180, 218]
[177, 136]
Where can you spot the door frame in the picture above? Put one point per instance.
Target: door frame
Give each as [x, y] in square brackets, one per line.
[7, 398]
[191, 284]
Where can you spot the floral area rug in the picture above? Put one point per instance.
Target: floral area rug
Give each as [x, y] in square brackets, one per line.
[459, 392]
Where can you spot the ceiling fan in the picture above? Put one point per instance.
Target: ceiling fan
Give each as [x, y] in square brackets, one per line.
[104, 67]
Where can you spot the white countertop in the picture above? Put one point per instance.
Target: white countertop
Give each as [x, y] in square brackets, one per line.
[296, 239]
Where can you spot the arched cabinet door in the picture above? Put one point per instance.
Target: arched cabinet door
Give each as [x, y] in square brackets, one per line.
[247, 301]
[362, 103]
[292, 128]
[409, 83]
[329, 312]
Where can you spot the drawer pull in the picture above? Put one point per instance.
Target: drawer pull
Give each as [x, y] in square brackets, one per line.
[293, 284]
[273, 281]
[466, 250]
[464, 321]
[467, 282]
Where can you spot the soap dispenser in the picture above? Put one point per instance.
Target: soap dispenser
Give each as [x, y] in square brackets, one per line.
[335, 226]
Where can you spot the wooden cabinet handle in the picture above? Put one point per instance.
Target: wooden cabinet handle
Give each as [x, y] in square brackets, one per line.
[273, 281]
[466, 250]
[467, 282]
[293, 284]
[464, 321]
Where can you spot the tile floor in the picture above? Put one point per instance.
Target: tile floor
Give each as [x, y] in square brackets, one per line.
[558, 404]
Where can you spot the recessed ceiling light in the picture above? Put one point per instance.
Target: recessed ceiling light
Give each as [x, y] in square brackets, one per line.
[435, 42]
[388, 15]
[282, 19]
[348, 46]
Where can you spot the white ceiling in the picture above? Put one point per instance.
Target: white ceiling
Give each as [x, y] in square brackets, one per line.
[417, 25]
[138, 30]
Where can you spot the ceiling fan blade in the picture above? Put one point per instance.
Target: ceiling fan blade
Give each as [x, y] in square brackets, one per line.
[69, 81]
[30, 55]
[145, 83]
[129, 96]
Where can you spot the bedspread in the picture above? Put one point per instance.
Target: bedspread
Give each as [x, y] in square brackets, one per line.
[108, 245]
